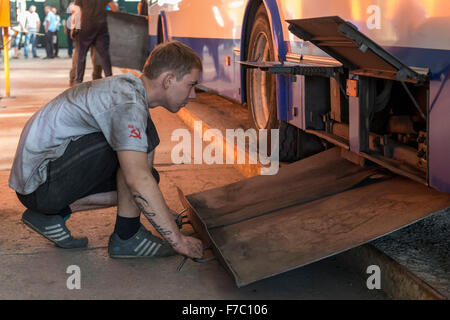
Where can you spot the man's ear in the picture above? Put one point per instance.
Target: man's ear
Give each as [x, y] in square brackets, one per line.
[168, 79]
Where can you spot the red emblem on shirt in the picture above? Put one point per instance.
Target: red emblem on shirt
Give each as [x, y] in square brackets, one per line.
[134, 132]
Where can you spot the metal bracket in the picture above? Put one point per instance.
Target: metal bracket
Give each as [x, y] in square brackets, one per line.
[413, 100]
[196, 260]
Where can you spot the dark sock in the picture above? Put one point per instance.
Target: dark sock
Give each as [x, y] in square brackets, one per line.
[127, 227]
[65, 213]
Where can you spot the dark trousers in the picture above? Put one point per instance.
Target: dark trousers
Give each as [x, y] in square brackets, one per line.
[56, 43]
[99, 37]
[88, 166]
[69, 44]
[96, 69]
[49, 44]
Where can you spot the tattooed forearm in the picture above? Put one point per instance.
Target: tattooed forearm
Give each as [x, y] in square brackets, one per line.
[142, 204]
[158, 228]
[140, 201]
[165, 233]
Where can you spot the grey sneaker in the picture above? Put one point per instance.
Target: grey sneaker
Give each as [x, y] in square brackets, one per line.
[142, 245]
[53, 227]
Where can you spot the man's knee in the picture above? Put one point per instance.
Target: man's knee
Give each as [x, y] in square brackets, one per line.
[42, 202]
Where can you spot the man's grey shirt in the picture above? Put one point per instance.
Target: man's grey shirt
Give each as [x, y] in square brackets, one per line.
[116, 106]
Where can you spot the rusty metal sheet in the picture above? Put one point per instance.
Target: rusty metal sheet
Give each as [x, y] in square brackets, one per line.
[129, 42]
[294, 184]
[311, 210]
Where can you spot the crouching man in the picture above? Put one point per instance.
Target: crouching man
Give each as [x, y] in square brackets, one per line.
[92, 147]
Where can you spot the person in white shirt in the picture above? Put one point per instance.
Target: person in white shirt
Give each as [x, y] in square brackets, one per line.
[20, 29]
[32, 25]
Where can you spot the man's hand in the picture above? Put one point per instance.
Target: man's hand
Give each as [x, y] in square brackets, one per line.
[190, 247]
[74, 33]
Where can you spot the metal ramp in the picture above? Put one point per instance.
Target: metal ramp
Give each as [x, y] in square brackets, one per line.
[310, 210]
[129, 46]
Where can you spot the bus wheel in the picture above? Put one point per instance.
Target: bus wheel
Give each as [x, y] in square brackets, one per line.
[261, 86]
[294, 143]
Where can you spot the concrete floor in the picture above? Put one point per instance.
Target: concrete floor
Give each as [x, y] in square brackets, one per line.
[33, 268]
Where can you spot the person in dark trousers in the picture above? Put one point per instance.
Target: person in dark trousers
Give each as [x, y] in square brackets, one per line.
[142, 8]
[93, 147]
[75, 26]
[94, 31]
[50, 30]
[68, 28]
[56, 36]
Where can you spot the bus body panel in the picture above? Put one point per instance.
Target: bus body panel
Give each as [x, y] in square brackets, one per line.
[439, 134]
[416, 32]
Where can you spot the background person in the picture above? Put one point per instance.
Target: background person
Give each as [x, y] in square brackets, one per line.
[32, 25]
[20, 29]
[50, 29]
[56, 35]
[74, 33]
[142, 8]
[68, 29]
[94, 31]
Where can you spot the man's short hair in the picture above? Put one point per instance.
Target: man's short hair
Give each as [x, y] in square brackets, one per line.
[171, 56]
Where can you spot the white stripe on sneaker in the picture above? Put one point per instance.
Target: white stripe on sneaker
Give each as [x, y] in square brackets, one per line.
[156, 250]
[144, 248]
[150, 249]
[53, 231]
[62, 238]
[53, 236]
[140, 245]
[53, 227]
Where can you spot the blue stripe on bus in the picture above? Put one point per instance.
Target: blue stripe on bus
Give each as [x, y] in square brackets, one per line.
[438, 61]
[226, 79]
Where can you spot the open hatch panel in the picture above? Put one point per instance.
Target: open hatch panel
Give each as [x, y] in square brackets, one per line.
[310, 210]
[342, 41]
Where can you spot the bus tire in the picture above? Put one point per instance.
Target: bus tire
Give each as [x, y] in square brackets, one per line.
[294, 144]
[261, 86]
